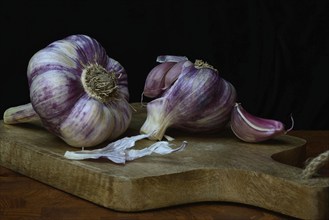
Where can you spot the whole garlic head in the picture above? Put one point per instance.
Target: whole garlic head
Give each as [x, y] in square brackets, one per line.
[79, 93]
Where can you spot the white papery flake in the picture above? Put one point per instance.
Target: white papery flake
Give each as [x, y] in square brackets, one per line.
[120, 152]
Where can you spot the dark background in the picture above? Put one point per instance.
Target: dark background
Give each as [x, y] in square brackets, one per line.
[275, 52]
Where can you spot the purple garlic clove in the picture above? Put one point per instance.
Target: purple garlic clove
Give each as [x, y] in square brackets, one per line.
[163, 75]
[173, 73]
[250, 128]
[155, 80]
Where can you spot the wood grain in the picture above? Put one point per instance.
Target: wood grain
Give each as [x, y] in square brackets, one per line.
[245, 174]
[24, 198]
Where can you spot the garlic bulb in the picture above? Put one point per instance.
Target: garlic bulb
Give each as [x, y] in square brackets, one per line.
[79, 93]
[196, 99]
[250, 128]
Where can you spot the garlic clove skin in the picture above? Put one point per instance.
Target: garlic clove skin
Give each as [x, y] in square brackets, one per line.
[174, 72]
[198, 101]
[250, 128]
[163, 75]
[171, 58]
[155, 80]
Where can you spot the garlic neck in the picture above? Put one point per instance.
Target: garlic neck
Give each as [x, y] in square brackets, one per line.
[158, 119]
[99, 83]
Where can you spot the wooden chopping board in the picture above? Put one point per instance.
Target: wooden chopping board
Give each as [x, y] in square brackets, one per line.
[215, 167]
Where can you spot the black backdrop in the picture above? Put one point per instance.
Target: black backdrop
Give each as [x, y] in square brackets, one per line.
[275, 52]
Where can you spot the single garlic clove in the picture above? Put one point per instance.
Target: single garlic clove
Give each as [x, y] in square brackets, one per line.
[155, 80]
[250, 128]
[20, 114]
[163, 75]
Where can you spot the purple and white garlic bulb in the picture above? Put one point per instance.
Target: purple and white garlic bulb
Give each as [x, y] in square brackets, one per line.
[189, 96]
[78, 91]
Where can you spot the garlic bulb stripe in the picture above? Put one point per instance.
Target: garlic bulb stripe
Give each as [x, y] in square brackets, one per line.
[59, 93]
[88, 121]
[219, 116]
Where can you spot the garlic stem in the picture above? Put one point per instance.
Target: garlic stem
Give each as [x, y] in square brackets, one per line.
[99, 83]
[199, 64]
[20, 114]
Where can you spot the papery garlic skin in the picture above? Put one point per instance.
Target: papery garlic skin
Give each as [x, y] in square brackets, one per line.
[72, 93]
[198, 101]
[250, 128]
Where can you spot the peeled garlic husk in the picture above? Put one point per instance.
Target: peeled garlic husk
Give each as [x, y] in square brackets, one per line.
[77, 91]
[250, 128]
[120, 151]
[199, 100]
